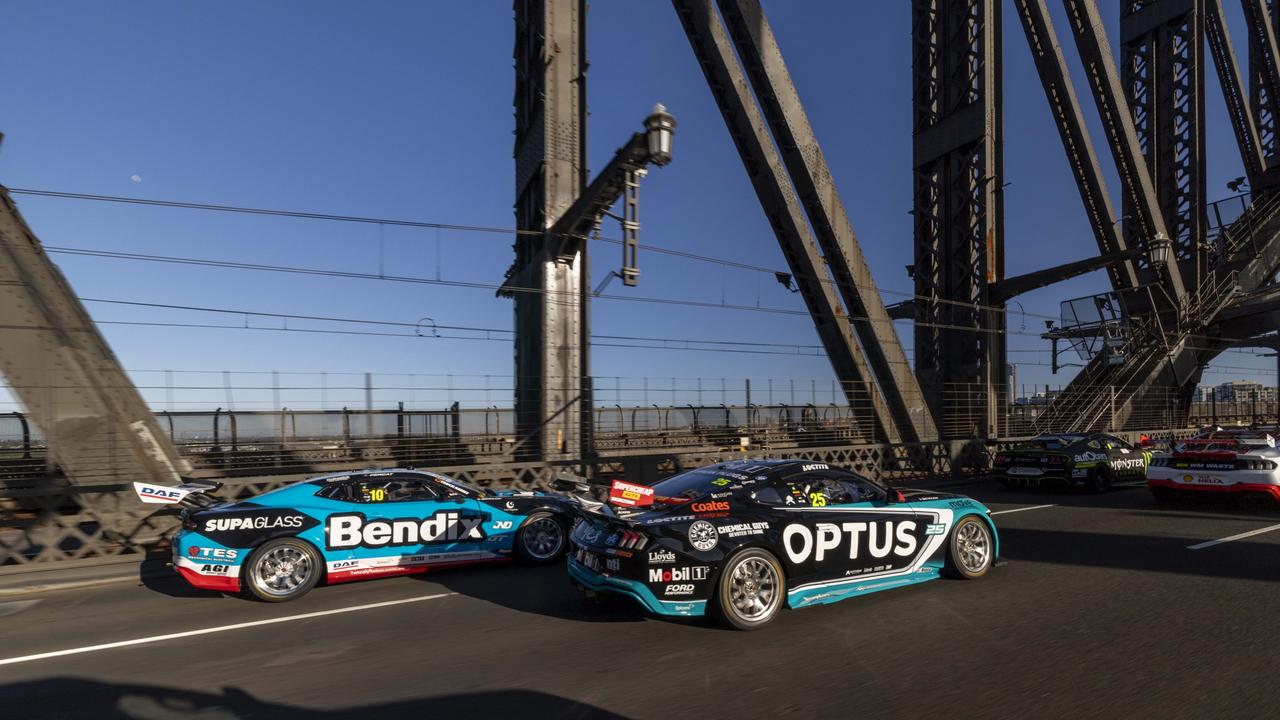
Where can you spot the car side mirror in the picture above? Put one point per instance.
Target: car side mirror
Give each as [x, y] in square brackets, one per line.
[893, 496]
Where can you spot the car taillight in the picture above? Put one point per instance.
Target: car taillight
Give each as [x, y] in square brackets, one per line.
[632, 540]
[1057, 460]
[1001, 459]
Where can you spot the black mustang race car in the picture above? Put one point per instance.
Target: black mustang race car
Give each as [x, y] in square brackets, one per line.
[1094, 460]
[743, 539]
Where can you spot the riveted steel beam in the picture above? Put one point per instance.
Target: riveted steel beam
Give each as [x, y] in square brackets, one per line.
[550, 160]
[1065, 106]
[96, 424]
[1264, 72]
[1143, 210]
[957, 123]
[1233, 91]
[764, 65]
[715, 54]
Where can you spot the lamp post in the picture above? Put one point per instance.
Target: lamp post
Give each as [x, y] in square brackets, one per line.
[658, 129]
[1158, 251]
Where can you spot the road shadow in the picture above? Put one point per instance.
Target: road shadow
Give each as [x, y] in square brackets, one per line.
[1146, 553]
[539, 590]
[156, 575]
[76, 698]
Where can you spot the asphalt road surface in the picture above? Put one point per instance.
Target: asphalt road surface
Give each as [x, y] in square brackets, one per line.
[1103, 609]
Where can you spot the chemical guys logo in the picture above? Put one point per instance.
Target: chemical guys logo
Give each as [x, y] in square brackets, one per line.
[702, 535]
[354, 530]
[828, 539]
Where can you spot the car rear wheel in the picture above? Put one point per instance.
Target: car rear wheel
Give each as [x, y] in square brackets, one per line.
[282, 569]
[541, 539]
[750, 590]
[971, 550]
[1100, 479]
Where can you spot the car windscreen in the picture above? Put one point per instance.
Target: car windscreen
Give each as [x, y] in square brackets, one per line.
[1053, 442]
[694, 483]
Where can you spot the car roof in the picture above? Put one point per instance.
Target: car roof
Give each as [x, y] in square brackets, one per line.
[366, 473]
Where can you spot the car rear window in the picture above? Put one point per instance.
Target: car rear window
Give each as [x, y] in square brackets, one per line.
[696, 483]
[1054, 442]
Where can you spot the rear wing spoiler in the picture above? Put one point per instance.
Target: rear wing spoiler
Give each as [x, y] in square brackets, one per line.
[605, 500]
[195, 496]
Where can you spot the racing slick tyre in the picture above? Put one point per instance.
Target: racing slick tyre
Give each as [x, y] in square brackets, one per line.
[1100, 479]
[750, 590]
[541, 539]
[282, 569]
[970, 549]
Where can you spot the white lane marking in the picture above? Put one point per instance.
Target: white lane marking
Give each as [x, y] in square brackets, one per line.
[218, 629]
[1241, 536]
[1022, 509]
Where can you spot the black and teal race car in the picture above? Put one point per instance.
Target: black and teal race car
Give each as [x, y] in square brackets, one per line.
[741, 540]
[1092, 460]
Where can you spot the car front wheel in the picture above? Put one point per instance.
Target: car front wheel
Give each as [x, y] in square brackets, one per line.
[750, 590]
[282, 569]
[971, 550]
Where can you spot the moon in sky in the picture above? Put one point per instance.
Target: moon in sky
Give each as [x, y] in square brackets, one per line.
[136, 178]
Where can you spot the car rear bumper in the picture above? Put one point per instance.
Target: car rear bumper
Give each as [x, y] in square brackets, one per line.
[591, 581]
[1240, 488]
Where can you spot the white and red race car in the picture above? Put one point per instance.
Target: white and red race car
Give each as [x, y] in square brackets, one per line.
[1218, 463]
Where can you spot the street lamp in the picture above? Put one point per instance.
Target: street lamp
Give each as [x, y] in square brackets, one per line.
[1159, 249]
[658, 129]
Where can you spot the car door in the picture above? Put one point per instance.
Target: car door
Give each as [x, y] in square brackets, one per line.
[407, 521]
[1126, 460]
[841, 527]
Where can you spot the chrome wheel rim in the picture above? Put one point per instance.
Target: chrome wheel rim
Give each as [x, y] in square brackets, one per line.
[543, 538]
[753, 589]
[282, 571]
[973, 547]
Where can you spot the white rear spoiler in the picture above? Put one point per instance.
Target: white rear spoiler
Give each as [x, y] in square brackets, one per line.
[164, 495]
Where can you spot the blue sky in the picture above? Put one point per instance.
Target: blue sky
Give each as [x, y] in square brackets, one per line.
[403, 110]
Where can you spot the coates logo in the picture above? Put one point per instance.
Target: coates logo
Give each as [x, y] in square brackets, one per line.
[680, 574]
[353, 530]
[211, 553]
[715, 506]
[801, 543]
[261, 522]
[662, 556]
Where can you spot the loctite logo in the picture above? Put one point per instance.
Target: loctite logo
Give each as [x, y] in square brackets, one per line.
[801, 543]
[681, 574]
[714, 506]
[348, 531]
[261, 522]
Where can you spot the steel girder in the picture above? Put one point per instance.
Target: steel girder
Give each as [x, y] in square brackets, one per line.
[1051, 65]
[96, 424]
[1145, 218]
[1233, 91]
[550, 160]
[712, 47]
[1162, 70]
[1264, 72]
[764, 65]
[957, 122]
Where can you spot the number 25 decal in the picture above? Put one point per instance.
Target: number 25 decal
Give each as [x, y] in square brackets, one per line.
[817, 499]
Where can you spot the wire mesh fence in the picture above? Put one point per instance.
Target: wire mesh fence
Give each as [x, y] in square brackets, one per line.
[47, 517]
